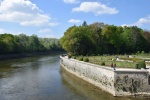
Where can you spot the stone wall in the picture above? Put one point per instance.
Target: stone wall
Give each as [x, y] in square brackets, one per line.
[119, 82]
[131, 82]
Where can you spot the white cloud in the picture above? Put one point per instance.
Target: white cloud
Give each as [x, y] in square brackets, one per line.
[140, 22]
[23, 12]
[74, 21]
[71, 1]
[45, 31]
[143, 21]
[95, 7]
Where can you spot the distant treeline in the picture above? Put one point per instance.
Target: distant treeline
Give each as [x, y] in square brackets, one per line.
[13, 44]
[99, 38]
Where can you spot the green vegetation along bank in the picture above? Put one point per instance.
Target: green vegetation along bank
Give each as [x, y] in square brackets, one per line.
[120, 61]
[22, 44]
[99, 38]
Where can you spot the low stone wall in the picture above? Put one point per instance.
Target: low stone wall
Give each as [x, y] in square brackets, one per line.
[119, 82]
[131, 82]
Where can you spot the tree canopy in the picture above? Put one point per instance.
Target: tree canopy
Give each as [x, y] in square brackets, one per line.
[99, 38]
[22, 43]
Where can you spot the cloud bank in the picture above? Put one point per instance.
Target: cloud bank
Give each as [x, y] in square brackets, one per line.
[24, 12]
[95, 7]
[140, 22]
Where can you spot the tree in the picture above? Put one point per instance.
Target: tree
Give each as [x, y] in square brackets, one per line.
[112, 35]
[33, 43]
[23, 41]
[99, 38]
[3, 47]
[95, 36]
[133, 39]
[84, 24]
[146, 35]
[9, 43]
[76, 40]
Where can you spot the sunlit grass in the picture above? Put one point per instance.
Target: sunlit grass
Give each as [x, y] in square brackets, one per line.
[127, 62]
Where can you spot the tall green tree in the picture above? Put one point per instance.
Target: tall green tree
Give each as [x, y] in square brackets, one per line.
[133, 39]
[95, 35]
[76, 40]
[112, 35]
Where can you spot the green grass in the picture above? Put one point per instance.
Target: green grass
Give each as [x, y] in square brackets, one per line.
[108, 60]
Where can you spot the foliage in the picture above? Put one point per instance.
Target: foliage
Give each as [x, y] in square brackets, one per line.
[141, 64]
[85, 59]
[10, 44]
[103, 63]
[76, 40]
[74, 57]
[81, 59]
[69, 56]
[142, 52]
[50, 44]
[98, 38]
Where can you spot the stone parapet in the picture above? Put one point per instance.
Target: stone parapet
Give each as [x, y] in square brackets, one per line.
[119, 82]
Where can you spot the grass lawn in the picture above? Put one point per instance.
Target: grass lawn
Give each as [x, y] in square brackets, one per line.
[123, 61]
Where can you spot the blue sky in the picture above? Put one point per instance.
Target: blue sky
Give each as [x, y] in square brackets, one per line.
[51, 18]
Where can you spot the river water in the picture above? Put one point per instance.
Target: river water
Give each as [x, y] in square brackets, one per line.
[42, 78]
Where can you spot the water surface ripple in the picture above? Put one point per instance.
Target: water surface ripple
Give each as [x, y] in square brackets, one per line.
[42, 78]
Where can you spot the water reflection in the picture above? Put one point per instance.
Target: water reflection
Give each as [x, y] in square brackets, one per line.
[40, 78]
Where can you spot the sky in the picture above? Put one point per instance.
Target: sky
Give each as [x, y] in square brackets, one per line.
[51, 18]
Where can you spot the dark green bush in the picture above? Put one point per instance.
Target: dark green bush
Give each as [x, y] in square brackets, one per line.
[141, 64]
[86, 59]
[103, 63]
[81, 58]
[69, 56]
[74, 57]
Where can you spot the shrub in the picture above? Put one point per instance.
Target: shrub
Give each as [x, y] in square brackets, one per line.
[69, 56]
[141, 64]
[142, 52]
[81, 58]
[103, 63]
[74, 57]
[86, 59]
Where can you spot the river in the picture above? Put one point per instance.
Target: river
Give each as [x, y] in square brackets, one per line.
[42, 78]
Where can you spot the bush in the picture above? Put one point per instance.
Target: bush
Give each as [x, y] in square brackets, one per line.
[141, 64]
[142, 52]
[103, 63]
[81, 58]
[74, 57]
[86, 59]
[69, 56]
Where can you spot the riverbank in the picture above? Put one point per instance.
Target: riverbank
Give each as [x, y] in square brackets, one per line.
[118, 82]
[23, 55]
